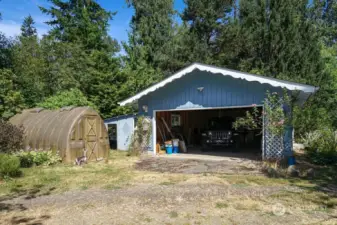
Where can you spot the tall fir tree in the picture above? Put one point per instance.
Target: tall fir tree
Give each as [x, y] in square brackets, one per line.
[207, 17]
[28, 64]
[152, 29]
[6, 45]
[323, 12]
[27, 28]
[276, 39]
[81, 21]
[85, 50]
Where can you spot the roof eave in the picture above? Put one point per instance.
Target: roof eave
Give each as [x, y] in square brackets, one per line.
[226, 72]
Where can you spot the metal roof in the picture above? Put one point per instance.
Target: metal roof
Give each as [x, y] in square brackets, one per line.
[226, 72]
[116, 118]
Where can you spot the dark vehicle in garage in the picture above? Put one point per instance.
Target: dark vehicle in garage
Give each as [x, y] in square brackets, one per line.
[218, 134]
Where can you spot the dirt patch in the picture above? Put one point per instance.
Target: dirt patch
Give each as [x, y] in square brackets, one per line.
[165, 191]
[190, 166]
[146, 194]
[183, 203]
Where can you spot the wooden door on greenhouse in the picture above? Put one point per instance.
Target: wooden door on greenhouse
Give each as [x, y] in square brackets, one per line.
[91, 130]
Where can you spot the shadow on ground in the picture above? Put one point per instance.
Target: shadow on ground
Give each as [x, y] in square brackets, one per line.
[6, 204]
[324, 180]
[29, 220]
[321, 179]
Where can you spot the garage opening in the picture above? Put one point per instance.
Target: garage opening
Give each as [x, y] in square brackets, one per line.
[209, 132]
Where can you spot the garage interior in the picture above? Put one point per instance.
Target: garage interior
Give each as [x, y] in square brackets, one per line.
[193, 125]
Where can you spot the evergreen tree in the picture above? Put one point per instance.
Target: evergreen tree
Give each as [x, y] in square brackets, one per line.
[324, 15]
[291, 40]
[152, 30]
[139, 73]
[11, 101]
[276, 39]
[28, 64]
[27, 28]
[323, 12]
[6, 45]
[30, 69]
[65, 64]
[81, 44]
[293, 47]
[207, 17]
[81, 21]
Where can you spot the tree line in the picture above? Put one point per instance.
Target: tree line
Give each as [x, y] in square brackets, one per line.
[291, 40]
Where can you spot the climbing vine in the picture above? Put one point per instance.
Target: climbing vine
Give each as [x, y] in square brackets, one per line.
[140, 139]
[278, 108]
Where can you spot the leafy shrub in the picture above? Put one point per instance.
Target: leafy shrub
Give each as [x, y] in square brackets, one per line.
[45, 158]
[26, 159]
[310, 118]
[73, 97]
[275, 107]
[11, 137]
[321, 146]
[9, 165]
[11, 100]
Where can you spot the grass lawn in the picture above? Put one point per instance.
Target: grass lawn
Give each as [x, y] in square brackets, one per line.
[116, 192]
[61, 178]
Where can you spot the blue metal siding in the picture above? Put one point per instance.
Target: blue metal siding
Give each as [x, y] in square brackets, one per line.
[219, 91]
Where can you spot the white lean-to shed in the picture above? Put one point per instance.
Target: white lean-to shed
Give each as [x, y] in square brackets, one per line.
[120, 131]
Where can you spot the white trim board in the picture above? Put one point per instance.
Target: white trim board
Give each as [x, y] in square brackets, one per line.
[226, 72]
[208, 108]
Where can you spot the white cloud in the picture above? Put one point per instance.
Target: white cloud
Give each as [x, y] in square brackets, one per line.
[12, 28]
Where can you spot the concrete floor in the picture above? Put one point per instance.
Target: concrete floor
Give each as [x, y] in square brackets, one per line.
[217, 154]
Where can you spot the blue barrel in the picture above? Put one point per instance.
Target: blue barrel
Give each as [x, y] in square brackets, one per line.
[288, 141]
[175, 143]
[291, 161]
[168, 149]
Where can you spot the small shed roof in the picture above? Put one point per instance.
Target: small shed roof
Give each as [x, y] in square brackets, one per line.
[121, 117]
[226, 72]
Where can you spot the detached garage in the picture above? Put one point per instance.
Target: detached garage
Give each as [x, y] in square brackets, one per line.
[199, 103]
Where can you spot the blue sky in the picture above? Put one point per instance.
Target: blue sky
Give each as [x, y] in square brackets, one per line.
[14, 11]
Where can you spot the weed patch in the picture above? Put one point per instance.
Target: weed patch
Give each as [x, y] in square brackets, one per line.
[221, 205]
[173, 214]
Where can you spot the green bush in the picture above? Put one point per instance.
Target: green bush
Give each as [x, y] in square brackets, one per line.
[11, 137]
[26, 159]
[45, 158]
[9, 165]
[310, 118]
[73, 97]
[321, 146]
